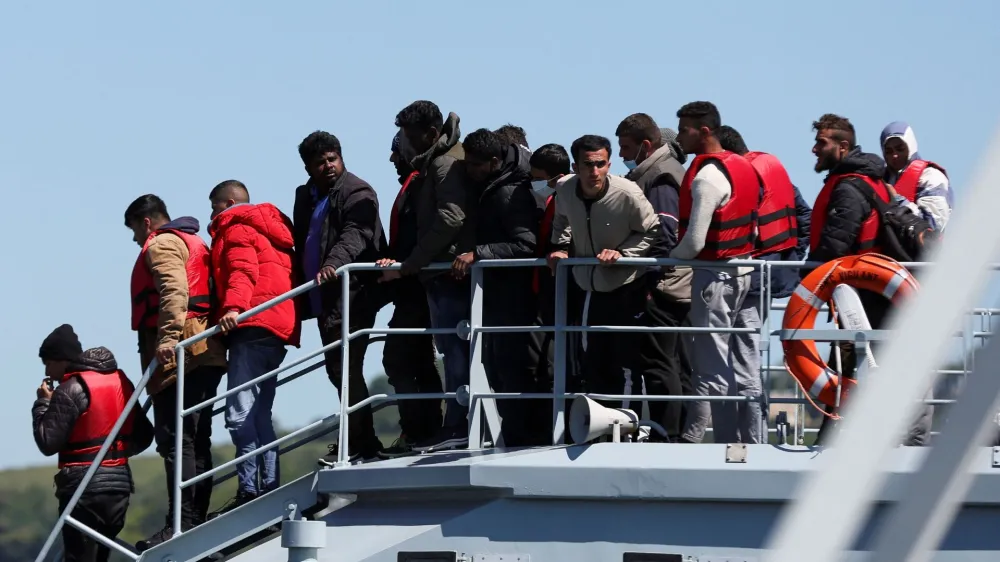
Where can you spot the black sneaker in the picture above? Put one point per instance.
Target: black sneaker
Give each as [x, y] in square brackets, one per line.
[242, 498]
[400, 448]
[353, 456]
[157, 538]
[446, 438]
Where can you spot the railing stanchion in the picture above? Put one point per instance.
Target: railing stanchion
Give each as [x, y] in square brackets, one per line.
[178, 439]
[345, 364]
[559, 370]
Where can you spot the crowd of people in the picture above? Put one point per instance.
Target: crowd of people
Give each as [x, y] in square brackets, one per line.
[485, 197]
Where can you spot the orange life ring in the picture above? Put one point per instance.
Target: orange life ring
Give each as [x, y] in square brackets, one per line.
[871, 272]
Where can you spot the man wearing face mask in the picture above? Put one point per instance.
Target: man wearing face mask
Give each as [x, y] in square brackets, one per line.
[505, 229]
[654, 163]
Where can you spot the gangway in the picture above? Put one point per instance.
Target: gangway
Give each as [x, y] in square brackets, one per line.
[602, 501]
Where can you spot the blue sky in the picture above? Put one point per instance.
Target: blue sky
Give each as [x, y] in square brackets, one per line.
[101, 104]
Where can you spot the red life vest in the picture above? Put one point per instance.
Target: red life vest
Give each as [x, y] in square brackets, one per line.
[108, 395]
[145, 297]
[777, 225]
[868, 236]
[906, 185]
[544, 233]
[397, 205]
[734, 224]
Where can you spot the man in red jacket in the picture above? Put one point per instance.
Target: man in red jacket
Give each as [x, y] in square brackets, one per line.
[252, 252]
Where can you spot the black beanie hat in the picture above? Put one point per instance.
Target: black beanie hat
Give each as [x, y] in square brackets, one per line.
[61, 344]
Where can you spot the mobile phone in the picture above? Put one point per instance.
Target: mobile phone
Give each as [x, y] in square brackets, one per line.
[50, 383]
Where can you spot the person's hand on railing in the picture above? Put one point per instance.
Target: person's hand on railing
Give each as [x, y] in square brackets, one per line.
[328, 273]
[607, 257]
[460, 267]
[390, 275]
[554, 258]
[229, 321]
[165, 354]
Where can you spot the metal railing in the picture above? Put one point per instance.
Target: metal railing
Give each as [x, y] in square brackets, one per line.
[481, 399]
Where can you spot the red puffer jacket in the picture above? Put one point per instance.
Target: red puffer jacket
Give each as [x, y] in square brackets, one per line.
[252, 263]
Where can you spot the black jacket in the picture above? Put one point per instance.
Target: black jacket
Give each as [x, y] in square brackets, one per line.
[53, 422]
[847, 208]
[506, 228]
[352, 233]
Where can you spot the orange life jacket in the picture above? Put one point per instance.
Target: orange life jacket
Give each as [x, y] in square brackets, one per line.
[777, 224]
[145, 297]
[868, 236]
[734, 225]
[108, 395]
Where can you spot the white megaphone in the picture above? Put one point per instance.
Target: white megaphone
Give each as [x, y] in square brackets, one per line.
[588, 420]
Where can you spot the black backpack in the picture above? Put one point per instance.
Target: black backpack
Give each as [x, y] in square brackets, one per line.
[903, 235]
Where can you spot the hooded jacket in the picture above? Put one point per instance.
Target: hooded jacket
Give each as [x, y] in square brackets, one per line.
[252, 253]
[933, 199]
[508, 220]
[167, 256]
[847, 208]
[53, 420]
[445, 206]
[351, 233]
[660, 176]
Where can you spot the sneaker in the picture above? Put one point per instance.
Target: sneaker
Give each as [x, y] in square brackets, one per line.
[242, 498]
[400, 448]
[157, 538]
[445, 439]
[353, 456]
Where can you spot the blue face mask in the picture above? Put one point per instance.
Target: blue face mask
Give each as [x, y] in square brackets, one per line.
[631, 164]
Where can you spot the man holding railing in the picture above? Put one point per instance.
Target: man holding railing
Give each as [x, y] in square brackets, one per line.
[336, 223]
[252, 254]
[445, 209]
[73, 420]
[718, 221]
[171, 297]
[606, 217]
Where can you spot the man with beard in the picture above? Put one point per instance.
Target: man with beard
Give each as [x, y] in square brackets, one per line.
[409, 360]
[508, 218]
[445, 214]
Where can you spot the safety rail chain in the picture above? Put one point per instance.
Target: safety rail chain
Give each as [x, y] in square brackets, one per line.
[481, 399]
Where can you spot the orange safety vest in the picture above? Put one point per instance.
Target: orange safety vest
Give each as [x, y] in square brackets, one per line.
[145, 297]
[777, 224]
[734, 225]
[906, 185]
[869, 228]
[108, 395]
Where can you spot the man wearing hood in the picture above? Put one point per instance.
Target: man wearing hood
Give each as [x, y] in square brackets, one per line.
[73, 421]
[506, 229]
[923, 184]
[336, 222]
[445, 209]
[409, 359]
[654, 162]
[512, 134]
[252, 254]
[171, 295]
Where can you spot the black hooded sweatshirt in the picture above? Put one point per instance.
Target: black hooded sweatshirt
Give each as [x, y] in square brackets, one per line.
[53, 421]
[506, 228]
[847, 208]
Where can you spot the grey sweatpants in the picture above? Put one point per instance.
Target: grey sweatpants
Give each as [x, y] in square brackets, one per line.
[724, 364]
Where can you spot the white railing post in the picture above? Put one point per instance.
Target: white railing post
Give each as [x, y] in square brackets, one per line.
[178, 440]
[343, 444]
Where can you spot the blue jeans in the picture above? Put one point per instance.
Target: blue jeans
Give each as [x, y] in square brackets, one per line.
[252, 353]
[449, 302]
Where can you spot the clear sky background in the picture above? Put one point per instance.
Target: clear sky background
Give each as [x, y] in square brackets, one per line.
[102, 103]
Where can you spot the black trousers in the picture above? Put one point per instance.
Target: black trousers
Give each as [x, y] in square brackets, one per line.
[361, 423]
[512, 363]
[104, 513]
[196, 442]
[660, 365]
[607, 355]
[410, 362]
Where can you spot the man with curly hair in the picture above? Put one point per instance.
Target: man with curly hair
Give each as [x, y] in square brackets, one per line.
[336, 222]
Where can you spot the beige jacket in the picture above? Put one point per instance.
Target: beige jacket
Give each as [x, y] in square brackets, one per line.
[166, 257]
[620, 219]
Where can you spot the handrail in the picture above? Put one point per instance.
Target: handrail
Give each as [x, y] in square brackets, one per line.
[326, 424]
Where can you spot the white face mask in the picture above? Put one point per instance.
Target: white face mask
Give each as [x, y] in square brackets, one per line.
[631, 164]
[540, 185]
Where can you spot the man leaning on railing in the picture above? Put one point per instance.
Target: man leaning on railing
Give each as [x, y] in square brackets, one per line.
[73, 420]
[171, 302]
